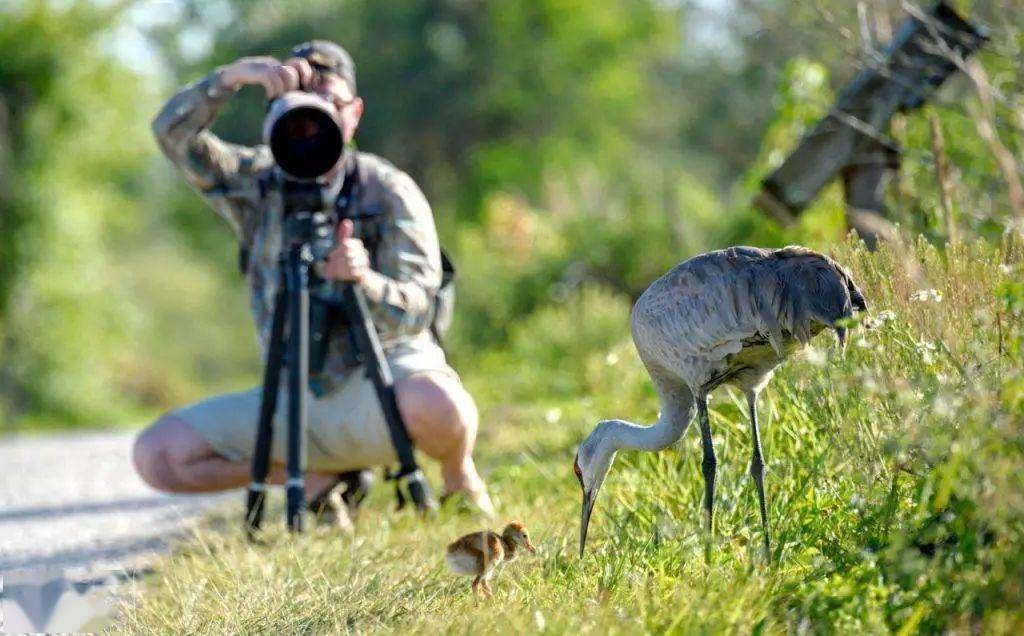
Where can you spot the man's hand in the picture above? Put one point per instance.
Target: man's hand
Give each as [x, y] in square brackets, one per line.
[349, 261]
[275, 78]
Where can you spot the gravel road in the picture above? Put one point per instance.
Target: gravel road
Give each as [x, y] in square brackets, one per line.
[73, 502]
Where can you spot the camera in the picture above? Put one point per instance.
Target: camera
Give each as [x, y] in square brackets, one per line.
[305, 138]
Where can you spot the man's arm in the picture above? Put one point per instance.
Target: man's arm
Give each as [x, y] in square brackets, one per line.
[208, 163]
[401, 290]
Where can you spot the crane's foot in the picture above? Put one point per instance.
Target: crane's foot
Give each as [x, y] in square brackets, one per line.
[709, 535]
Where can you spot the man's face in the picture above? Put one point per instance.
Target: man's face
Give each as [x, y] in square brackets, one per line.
[337, 91]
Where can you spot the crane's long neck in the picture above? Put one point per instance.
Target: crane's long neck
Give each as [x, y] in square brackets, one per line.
[598, 451]
[676, 413]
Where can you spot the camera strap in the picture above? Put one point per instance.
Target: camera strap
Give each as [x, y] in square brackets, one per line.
[350, 204]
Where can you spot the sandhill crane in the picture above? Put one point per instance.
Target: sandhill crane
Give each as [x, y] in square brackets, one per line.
[728, 316]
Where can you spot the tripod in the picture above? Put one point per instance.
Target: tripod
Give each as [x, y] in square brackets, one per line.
[292, 305]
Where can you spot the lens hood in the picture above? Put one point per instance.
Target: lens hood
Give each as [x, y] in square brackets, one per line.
[304, 134]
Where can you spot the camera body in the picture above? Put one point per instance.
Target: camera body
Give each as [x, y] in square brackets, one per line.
[309, 216]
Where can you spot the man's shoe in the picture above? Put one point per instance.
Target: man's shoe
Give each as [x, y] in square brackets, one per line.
[357, 485]
[339, 501]
[477, 502]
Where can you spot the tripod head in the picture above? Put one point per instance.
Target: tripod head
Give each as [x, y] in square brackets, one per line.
[308, 217]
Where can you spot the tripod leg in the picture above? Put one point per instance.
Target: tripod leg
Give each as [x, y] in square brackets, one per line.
[256, 498]
[298, 378]
[379, 372]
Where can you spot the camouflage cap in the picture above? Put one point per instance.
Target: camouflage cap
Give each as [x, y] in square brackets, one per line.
[327, 56]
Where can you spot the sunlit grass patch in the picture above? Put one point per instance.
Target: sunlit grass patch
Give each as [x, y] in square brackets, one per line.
[894, 486]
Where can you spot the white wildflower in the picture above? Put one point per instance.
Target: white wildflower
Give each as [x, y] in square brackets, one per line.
[611, 359]
[815, 356]
[879, 319]
[927, 296]
[927, 350]
[538, 620]
[553, 416]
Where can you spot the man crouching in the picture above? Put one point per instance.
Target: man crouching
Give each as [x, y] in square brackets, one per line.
[207, 446]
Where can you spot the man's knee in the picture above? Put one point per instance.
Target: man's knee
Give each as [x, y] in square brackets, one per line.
[156, 450]
[436, 405]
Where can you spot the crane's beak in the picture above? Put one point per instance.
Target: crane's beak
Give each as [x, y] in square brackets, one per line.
[588, 507]
[588, 504]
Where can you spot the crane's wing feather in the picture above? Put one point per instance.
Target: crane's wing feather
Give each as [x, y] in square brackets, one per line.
[708, 306]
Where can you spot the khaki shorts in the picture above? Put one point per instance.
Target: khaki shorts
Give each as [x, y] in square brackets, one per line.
[346, 428]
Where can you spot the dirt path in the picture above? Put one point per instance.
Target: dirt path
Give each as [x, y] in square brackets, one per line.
[73, 502]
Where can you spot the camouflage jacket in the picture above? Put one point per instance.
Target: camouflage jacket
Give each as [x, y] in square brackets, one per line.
[406, 256]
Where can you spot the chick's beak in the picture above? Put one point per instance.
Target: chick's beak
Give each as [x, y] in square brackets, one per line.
[532, 548]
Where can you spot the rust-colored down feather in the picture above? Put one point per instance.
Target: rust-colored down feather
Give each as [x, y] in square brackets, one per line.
[479, 553]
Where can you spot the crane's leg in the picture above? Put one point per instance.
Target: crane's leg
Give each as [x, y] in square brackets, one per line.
[757, 472]
[709, 464]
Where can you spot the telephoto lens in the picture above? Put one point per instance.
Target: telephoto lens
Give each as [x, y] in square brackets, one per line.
[304, 135]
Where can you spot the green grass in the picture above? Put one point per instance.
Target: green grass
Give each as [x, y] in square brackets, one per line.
[895, 485]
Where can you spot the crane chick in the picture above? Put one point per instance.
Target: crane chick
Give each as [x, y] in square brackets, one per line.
[728, 316]
[478, 554]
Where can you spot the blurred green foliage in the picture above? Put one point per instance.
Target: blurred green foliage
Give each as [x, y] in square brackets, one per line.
[95, 293]
[573, 152]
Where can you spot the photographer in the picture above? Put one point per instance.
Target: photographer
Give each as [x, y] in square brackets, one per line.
[207, 446]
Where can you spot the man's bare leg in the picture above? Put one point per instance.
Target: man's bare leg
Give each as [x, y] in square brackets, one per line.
[172, 456]
[443, 420]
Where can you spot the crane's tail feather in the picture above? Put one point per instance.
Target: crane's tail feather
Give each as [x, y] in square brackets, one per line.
[856, 297]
